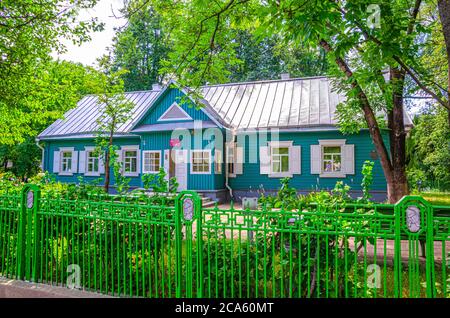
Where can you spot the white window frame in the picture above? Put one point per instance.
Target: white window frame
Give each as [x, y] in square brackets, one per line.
[280, 144]
[231, 146]
[175, 104]
[331, 143]
[192, 161]
[124, 149]
[61, 157]
[144, 160]
[86, 164]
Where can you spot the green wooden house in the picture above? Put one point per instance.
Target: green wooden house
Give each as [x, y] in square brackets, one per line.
[237, 140]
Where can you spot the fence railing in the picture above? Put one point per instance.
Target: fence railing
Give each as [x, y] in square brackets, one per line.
[184, 250]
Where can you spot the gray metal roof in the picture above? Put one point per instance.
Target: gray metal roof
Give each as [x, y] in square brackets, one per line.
[293, 103]
[280, 103]
[83, 118]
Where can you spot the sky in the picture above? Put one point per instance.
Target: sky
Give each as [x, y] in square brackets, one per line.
[88, 52]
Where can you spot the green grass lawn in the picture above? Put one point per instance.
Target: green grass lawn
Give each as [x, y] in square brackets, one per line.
[437, 198]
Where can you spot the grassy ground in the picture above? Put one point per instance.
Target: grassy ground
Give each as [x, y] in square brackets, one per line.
[437, 198]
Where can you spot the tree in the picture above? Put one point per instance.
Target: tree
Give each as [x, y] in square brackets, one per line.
[115, 110]
[361, 41]
[56, 88]
[29, 32]
[444, 14]
[429, 150]
[139, 47]
[265, 59]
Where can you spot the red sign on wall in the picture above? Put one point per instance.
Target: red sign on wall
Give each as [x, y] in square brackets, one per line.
[174, 142]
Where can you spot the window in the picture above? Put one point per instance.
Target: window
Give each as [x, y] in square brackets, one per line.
[130, 161]
[152, 161]
[92, 162]
[66, 161]
[200, 162]
[332, 159]
[280, 159]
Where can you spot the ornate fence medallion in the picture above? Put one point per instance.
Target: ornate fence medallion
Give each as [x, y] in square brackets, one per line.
[30, 199]
[188, 209]
[413, 218]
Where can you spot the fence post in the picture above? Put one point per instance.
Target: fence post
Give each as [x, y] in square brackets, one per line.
[28, 233]
[188, 210]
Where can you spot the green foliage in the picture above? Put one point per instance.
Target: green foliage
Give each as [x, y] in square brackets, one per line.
[428, 151]
[56, 88]
[140, 47]
[367, 180]
[29, 32]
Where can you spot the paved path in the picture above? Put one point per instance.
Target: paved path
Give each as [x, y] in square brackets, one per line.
[19, 289]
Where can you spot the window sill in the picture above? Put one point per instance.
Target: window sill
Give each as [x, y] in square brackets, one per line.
[231, 176]
[131, 174]
[200, 172]
[65, 174]
[150, 172]
[280, 175]
[332, 175]
[97, 174]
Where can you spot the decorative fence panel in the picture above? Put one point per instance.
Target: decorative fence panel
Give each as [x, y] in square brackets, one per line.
[184, 250]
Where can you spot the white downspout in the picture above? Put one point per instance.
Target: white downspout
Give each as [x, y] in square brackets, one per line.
[226, 166]
[42, 156]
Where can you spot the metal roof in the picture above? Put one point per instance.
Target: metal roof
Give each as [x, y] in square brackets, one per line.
[292, 103]
[83, 118]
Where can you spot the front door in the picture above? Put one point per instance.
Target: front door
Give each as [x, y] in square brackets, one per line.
[175, 165]
[181, 169]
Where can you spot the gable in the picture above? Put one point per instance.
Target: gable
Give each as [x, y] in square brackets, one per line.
[172, 107]
[174, 112]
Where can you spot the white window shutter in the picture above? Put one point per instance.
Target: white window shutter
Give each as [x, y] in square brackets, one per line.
[82, 162]
[264, 160]
[217, 161]
[348, 159]
[74, 161]
[56, 159]
[138, 163]
[119, 159]
[101, 165]
[316, 159]
[295, 160]
[238, 165]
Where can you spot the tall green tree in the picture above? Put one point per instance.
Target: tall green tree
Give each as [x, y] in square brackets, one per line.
[361, 40]
[29, 32]
[56, 88]
[115, 110]
[140, 46]
[429, 150]
[266, 58]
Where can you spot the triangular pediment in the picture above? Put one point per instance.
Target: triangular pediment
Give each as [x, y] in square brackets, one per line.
[174, 112]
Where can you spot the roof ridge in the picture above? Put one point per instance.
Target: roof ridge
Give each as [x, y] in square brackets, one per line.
[266, 81]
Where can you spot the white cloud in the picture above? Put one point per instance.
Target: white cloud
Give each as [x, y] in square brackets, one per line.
[88, 52]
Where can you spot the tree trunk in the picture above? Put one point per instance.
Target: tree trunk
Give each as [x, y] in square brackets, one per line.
[107, 162]
[444, 14]
[398, 135]
[393, 190]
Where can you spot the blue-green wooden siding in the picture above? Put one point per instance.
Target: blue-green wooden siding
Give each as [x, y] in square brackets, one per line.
[160, 141]
[79, 145]
[251, 176]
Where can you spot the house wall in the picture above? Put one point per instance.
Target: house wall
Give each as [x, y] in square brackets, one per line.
[304, 182]
[160, 141]
[79, 144]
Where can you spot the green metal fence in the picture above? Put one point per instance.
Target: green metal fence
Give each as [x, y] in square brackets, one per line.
[184, 250]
